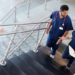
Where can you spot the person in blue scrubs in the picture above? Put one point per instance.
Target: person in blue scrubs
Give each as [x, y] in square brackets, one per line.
[60, 25]
[66, 54]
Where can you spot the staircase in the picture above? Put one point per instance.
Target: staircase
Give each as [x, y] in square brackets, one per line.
[31, 63]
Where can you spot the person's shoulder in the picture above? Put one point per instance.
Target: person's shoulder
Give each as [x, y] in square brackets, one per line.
[73, 32]
[68, 17]
[54, 12]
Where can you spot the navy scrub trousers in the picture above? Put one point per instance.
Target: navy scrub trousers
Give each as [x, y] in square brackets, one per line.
[51, 42]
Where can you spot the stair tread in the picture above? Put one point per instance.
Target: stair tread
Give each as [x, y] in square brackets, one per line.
[3, 72]
[31, 63]
[40, 69]
[12, 69]
[25, 67]
[47, 62]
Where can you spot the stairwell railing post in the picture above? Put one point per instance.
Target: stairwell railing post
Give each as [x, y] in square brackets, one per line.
[3, 61]
[15, 15]
[28, 8]
[38, 34]
[45, 4]
[38, 44]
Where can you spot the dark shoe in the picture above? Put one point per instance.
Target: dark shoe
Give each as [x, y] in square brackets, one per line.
[62, 68]
[67, 71]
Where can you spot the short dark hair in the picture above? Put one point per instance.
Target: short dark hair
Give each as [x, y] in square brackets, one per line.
[64, 7]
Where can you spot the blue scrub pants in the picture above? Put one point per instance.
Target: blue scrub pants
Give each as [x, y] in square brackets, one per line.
[51, 42]
[67, 56]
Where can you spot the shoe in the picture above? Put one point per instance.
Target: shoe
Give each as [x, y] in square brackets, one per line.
[62, 68]
[51, 56]
[67, 71]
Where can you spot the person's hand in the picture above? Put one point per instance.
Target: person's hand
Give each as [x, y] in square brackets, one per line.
[64, 38]
[1, 30]
[59, 41]
[47, 30]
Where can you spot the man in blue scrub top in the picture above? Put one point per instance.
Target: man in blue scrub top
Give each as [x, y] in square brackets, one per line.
[66, 54]
[61, 25]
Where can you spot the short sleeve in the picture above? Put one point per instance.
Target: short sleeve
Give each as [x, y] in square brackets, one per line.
[53, 14]
[69, 24]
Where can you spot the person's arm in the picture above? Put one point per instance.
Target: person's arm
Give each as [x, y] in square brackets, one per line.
[68, 28]
[47, 30]
[66, 33]
[60, 40]
[65, 38]
[1, 30]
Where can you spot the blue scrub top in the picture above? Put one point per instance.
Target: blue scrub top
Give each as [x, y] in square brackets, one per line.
[73, 35]
[72, 43]
[58, 28]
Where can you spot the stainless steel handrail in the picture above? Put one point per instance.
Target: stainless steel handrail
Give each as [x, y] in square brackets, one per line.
[3, 61]
[21, 24]
[10, 11]
[20, 31]
[28, 9]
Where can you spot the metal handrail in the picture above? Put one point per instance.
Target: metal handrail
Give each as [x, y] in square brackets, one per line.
[20, 31]
[10, 10]
[21, 41]
[21, 24]
[27, 23]
[3, 62]
[36, 48]
[45, 4]
[28, 9]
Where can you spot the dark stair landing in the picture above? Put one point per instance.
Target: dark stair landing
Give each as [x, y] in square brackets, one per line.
[32, 64]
